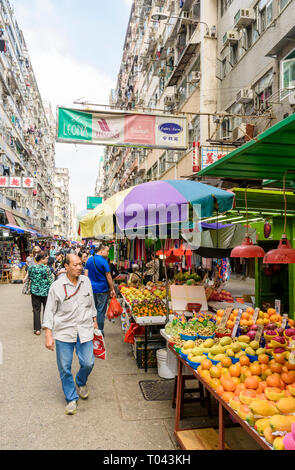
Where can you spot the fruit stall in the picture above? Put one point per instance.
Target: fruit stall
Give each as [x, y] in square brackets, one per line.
[248, 369]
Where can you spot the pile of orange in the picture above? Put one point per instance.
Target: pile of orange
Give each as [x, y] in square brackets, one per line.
[228, 379]
[264, 318]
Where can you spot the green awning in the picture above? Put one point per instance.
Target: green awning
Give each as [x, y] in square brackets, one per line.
[267, 157]
[264, 201]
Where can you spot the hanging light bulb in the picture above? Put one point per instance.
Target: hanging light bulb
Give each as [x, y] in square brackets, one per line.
[247, 249]
[284, 254]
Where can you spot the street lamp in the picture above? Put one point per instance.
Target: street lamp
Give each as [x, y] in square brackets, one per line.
[162, 16]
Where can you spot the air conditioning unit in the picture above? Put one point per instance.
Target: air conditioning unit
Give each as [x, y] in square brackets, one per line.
[196, 77]
[244, 17]
[243, 131]
[184, 15]
[230, 37]
[245, 95]
[171, 100]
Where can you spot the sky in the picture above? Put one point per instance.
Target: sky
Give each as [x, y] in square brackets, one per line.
[76, 49]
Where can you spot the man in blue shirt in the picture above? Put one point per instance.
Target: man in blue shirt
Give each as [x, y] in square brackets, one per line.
[98, 270]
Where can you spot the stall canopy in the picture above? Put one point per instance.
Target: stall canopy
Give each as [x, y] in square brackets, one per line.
[267, 156]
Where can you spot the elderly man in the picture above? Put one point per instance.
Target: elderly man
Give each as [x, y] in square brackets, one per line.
[69, 320]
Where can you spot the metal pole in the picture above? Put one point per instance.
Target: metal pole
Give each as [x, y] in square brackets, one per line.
[167, 285]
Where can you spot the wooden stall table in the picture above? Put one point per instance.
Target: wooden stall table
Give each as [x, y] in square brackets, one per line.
[207, 439]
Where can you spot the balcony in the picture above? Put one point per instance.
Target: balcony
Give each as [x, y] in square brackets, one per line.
[186, 56]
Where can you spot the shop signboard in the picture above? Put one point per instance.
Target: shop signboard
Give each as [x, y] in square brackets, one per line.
[16, 182]
[121, 129]
[93, 202]
[211, 154]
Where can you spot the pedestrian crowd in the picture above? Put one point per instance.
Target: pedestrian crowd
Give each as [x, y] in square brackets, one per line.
[73, 283]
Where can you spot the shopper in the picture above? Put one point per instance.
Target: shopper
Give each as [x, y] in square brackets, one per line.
[84, 257]
[98, 270]
[59, 269]
[152, 272]
[41, 280]
[113, 269]
[69, 320]
[134, 278]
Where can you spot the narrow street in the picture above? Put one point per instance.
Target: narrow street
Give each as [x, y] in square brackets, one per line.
[116, 416]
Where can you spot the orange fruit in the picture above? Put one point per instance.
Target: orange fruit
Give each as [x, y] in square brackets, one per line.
[227, 396]
[228, 384]
[245, 316]
[276, 367]
[255, 368]
[280, 358]
[219, 390]
[235, 370]
[226, 361]
[215, 372]
[244, 360]
[206, 364]
[214, 383]
[274, 380]
[252, 382]
[271, 311]
[288, 377]
[239, 388]
[263, 358]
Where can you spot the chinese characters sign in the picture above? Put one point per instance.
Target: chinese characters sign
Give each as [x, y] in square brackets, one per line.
[213, 154]
[124, 130]
[16, 182]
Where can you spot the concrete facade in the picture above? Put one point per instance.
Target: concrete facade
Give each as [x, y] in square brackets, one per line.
[62, 207]
[27, 141]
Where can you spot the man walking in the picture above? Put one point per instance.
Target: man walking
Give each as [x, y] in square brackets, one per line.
[69, 320]
[98, 270]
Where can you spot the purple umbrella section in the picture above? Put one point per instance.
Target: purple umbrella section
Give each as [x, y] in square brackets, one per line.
[141, 207]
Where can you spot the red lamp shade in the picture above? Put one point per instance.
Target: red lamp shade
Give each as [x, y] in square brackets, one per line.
[284, 254]
[173, 259]
[247, 250]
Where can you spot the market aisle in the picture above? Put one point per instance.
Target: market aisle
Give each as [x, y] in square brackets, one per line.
[115, 416]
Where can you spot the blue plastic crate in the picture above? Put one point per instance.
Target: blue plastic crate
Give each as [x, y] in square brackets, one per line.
[188, 338]
[194, 365]
[206, 337]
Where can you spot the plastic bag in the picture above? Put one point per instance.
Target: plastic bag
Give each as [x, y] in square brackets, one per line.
[134, 330]
[115, 309]
[99, 349]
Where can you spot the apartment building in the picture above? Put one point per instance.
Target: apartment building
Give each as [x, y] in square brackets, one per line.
[27, 142]
[169, 57]
[256, 66]
[228, 65]
[62, 206]
[73, 226]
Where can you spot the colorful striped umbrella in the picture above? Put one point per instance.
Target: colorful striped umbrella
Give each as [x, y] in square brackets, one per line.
[155, 203]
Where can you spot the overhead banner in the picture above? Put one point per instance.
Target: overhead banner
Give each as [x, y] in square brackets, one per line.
[121, 129]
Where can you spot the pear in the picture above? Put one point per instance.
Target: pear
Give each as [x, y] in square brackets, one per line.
[230, 352]
[260, 351]
[250, 351]
[244, 345]
[254, 345]
[208, 343]
[189, 344]
[225, 341]
[236, 347]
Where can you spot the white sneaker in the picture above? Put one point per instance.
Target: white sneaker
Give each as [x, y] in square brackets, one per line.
[71, 408]
[83, 392]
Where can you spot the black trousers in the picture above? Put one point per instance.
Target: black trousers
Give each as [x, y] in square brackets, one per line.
[37, 302]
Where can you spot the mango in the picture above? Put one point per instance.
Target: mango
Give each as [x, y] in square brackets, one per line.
[286, 405]
[278, 443]
[230, 353]
[244, 339]
[239, 354]
[197, 359]
[244, 345]
[217, 349]
[260, 351]
[261, 424]
[281, 423]
[197, 351]
[268, 435]
[262, 408]
[189, 344]
[218, 357]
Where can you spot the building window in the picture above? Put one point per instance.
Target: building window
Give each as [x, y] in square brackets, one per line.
[284, 3]
[288, 75]
[265, 14]
[162, 164]
[263, 91]
[182, 91]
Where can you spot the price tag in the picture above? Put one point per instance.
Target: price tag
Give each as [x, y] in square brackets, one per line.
[259, 332]
[235, 328]
[278, 307]
[284, 320]
[225, 317]
[255, 314]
